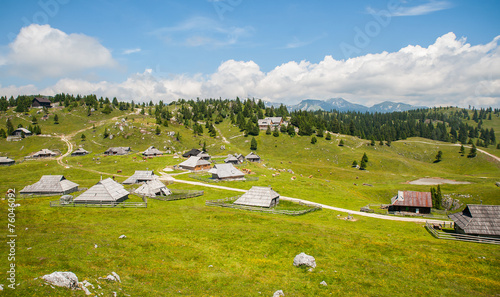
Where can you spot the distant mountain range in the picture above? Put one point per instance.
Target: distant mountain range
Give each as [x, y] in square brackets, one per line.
[341, 104]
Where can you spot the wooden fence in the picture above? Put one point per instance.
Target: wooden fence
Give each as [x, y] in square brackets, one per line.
[461, 237]
[226, 203]
[105, 204]
[179, 194]
[208, 179]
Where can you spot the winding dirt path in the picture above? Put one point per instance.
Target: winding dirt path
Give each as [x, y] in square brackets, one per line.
[455, 144]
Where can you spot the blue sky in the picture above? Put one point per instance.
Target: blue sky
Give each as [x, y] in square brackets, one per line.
[283, 51]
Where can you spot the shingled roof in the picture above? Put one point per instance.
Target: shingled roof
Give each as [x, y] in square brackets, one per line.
[152, 189]
[140, 176]
[152, 151]
[51, 185]
[44, 153]
[6, 161]
[193, 152]
[192, 162]
[231, 159]
[120, 150]
[225, 171]
[104, 191]
[252, 157]
[259, 196]
[411, 198]
[477, 219]
[79, 152]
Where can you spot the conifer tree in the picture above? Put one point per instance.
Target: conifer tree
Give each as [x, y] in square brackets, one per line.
[314, 140]
[10, 127]
[56, 119]
[268, 131]
[462, 150]
[253, 144]
[276, 132]
[472, 152]
[328, 136]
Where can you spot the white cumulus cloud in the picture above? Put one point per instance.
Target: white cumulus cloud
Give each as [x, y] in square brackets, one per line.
[41, 51]
[448, 72]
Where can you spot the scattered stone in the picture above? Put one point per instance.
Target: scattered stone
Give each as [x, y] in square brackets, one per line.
[278, 293]
[86, 284]
[113, 277]
[498, 184]
[62, 279]
[82, 287]
[1, 287]
[95, 245]
[304, 259]
[210, 266]
[323, 283]
[122, 236]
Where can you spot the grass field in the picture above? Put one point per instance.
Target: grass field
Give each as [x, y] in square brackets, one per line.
[188, 249]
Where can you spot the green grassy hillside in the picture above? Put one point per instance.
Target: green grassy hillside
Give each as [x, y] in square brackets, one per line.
[186, 248]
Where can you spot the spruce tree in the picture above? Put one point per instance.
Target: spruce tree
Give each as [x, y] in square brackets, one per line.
[472, 152]
[3, 134]
[83, 137]
[268, 131]
[462, 150]
[10, 127]
[56, 119]
[276, 132]
[362, 165]
[253, 144]
[365, 158]
[438, 157]
[328, 136]
[314, 140]
[341, 143]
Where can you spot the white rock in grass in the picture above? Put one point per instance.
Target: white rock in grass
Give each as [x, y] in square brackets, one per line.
[62, 279]
[1, 287]
[82, 286]
[113, 277]
[278, 293]
[116, 276]
[323, 283]
[304, 259]
[122, 236]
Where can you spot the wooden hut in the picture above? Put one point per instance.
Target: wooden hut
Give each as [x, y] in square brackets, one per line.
[253, 157]
[105, 191]
[152, 151]
[152, 189]
[20, 132]
[5, 161]
[140, 176]
[232, 159]
[204, 156]
[40, 102]
[191, 153]
[478, 219]
[44, 153]
[259, 196]
[120, 150]
[240, 158]
[51, 185]
[79, 152]
[226, 172]
[195, 164]
[411, 201]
